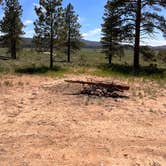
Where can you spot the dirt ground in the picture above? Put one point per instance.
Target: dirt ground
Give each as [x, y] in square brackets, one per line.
[43, 124]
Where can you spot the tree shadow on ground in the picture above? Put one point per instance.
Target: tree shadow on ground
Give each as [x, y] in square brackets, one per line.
[4, 58]
[127, 70]
[38, 70]
[115, 96]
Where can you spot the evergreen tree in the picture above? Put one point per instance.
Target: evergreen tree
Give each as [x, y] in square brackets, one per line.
[162, 55]
[12, 26]
[145, 18]
[148, 54]
[113, 30]
[47, 26]
[73, 36]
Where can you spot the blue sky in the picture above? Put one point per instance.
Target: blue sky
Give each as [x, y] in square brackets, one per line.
[90, 16]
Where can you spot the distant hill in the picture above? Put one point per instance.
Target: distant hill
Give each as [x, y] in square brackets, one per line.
[91, 44]
[160, 47]
[27, 43]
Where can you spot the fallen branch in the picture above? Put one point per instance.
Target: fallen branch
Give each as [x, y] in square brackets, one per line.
[102, 85]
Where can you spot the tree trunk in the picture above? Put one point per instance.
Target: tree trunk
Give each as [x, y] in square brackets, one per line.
[51, 40]
[13, 41]
[51, 51]
[69, 37]
[110, 59]
[100, 84]
[69, 46]
[137, 37]
[110, 52]
[14, 50]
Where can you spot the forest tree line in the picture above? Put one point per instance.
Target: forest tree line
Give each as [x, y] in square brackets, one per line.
[58, 28]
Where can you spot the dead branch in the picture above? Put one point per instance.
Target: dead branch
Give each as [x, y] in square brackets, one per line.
[112, 86]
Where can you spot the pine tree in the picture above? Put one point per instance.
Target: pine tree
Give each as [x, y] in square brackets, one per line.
[12, 26]
[47, 25]
[113, 30]
[145, 19]
[73, 36]
[148, 54]
[162, 55]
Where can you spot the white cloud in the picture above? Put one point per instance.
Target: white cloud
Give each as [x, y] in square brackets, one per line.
[154, 42]
[29, 33]
[92, 33]
[2, 15]
[28, 22]
[1, 33]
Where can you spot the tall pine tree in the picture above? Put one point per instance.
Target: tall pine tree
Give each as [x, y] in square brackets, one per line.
[47, 25]
[113, 30]
[145, 18]
[12, 26]
[73, 36]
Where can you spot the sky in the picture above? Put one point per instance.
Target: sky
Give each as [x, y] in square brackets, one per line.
[90, 17]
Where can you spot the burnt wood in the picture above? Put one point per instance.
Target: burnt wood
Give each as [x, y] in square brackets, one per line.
[101, 84]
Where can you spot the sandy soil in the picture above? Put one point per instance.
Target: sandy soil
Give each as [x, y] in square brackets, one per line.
[42, 124]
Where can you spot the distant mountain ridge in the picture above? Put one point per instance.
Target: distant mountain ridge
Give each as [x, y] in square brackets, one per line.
[91, 44]
[163, 47]
[27, 43]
